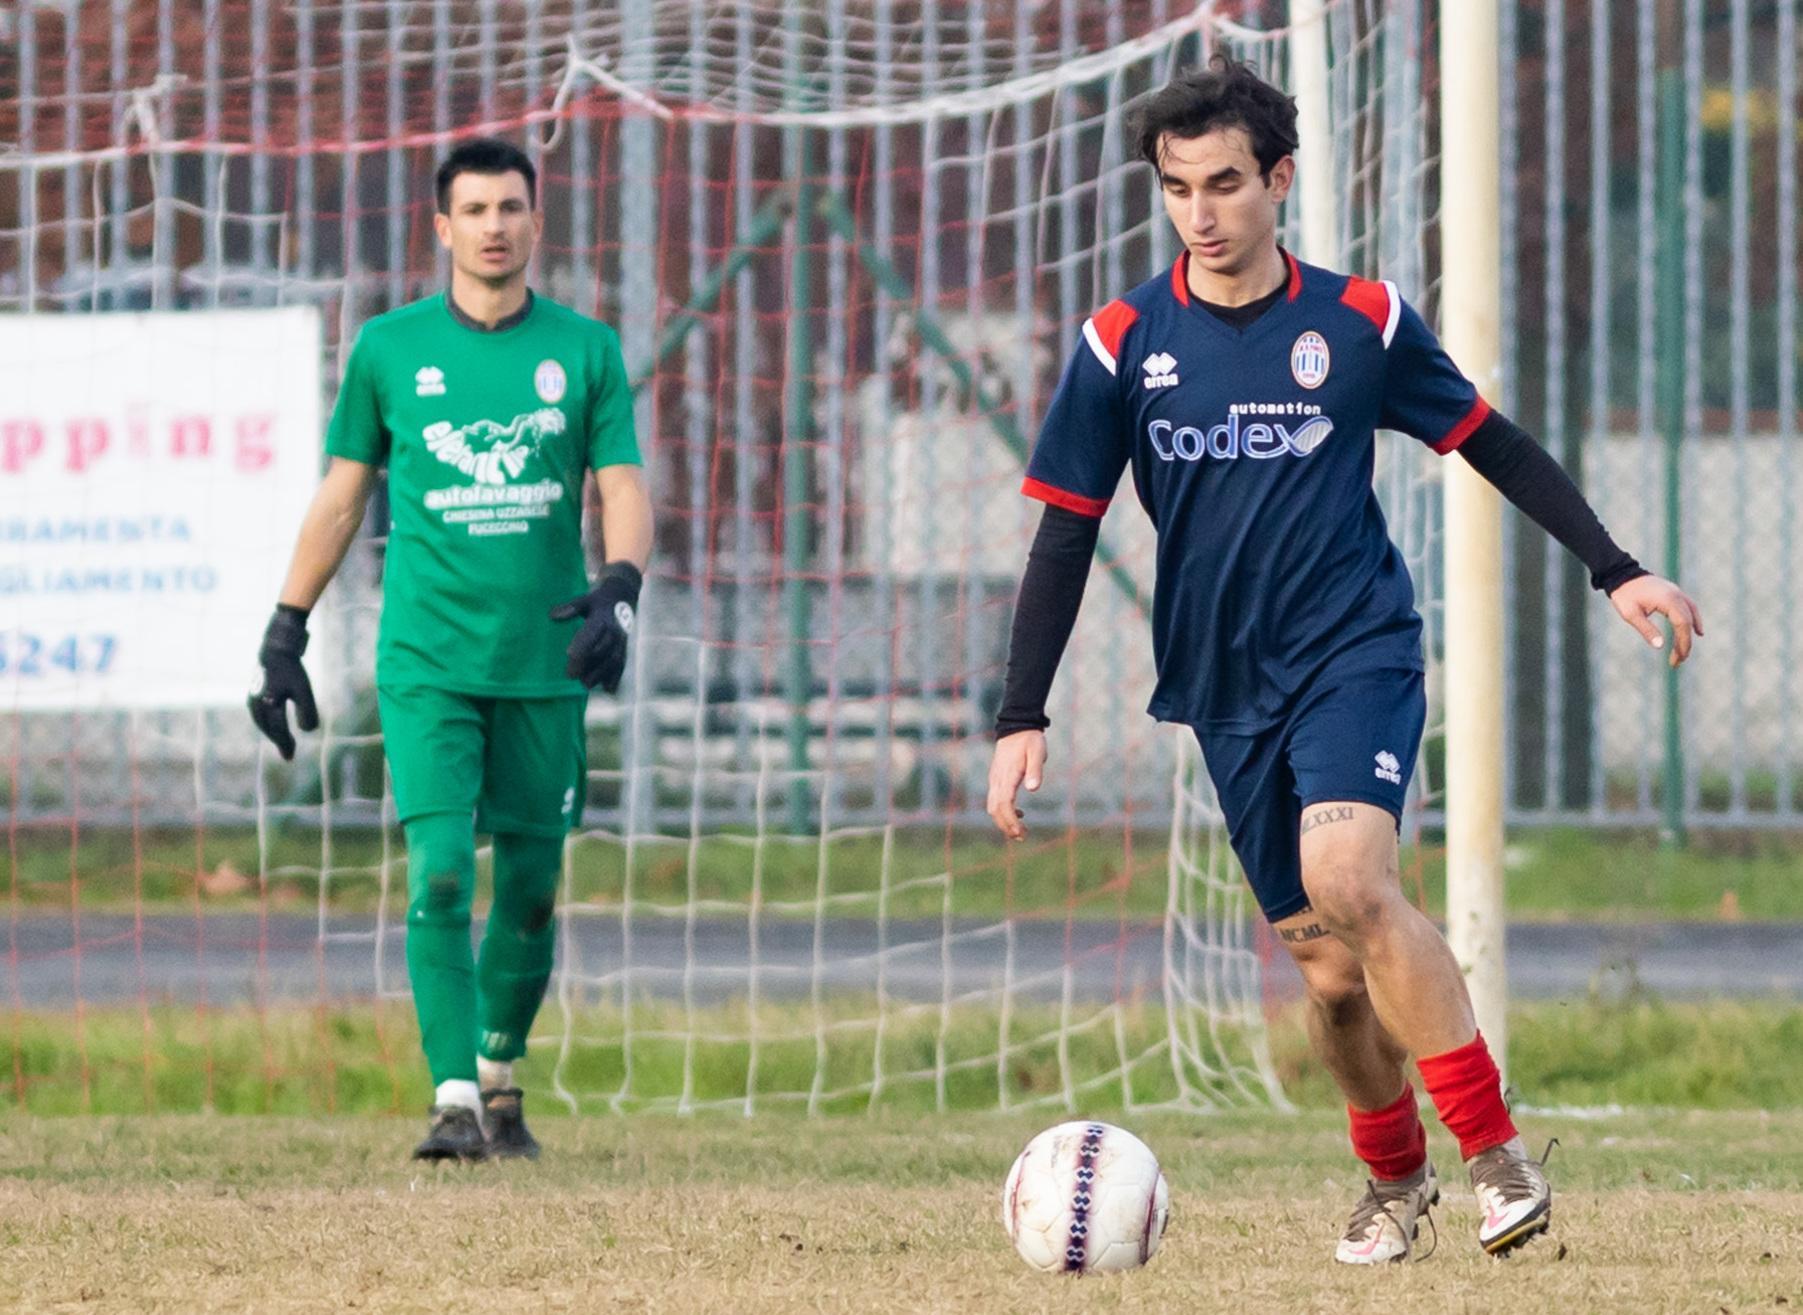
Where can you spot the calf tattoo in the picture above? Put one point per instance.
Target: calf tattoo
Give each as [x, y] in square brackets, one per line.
[1322, 816]
[1314, 931]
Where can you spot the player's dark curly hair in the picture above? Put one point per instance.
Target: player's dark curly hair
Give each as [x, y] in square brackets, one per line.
[1226, 94]
[485, 155]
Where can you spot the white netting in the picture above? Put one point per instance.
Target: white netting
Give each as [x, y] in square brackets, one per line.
[848, 248]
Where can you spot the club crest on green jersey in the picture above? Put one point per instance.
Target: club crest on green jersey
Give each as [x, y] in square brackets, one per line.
[492, 453]
[550, 382]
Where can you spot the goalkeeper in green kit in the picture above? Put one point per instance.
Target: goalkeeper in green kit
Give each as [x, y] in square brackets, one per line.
[488, 405]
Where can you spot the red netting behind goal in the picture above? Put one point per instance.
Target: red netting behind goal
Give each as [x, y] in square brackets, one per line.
[848, 251]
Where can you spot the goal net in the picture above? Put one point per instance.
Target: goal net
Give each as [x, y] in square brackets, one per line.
[848, 247]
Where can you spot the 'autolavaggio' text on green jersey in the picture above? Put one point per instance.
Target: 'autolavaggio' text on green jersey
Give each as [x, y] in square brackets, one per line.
[487, 436]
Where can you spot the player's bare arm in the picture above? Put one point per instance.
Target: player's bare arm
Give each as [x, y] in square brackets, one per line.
[327, 531]
[625, 514]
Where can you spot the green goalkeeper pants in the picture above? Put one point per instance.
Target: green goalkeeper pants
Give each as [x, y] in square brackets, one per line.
[512, 767]
[468, 1002]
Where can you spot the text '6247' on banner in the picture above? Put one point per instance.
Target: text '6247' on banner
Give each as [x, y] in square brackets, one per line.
[154, 468]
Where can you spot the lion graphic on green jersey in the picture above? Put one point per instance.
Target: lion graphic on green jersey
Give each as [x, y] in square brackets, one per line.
[492, 453]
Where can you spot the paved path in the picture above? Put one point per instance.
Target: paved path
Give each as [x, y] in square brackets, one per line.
[238, 957]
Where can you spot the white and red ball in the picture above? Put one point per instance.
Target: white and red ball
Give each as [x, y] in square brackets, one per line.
[1085, 1197]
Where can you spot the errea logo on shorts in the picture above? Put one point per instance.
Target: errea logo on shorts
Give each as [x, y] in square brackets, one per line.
[428, 381]
[1389, 768]
[1161, 370]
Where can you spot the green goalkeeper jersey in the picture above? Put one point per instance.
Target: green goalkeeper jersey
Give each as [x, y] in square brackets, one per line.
[486, 435]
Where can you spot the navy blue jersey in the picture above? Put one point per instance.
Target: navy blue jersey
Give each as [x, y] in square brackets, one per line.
[1252, 453]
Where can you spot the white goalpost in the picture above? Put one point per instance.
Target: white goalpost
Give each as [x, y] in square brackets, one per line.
[1470, 300]
[1470, 207]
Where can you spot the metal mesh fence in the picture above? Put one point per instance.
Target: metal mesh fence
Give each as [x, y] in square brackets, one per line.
[848, 251]
[1650, 238]
[840, 539]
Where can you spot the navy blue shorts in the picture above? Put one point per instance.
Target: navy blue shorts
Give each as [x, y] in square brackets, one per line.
[1354, 740]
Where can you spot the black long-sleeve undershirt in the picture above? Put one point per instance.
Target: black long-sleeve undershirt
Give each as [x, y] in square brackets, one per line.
[1051, 589]
[1527, 475]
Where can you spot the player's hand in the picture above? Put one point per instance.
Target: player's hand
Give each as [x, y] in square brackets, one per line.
[1019, 760]
[597, 655]
[1641, 599]
[284, 680]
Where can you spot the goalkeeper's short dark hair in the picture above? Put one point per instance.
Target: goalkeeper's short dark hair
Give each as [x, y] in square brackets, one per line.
[1226, 94]
[485, 155]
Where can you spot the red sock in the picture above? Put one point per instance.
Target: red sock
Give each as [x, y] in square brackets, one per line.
[1467, 1091]
[1391, 1141]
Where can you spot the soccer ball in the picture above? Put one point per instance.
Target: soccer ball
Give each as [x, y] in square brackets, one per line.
[1085, 1197]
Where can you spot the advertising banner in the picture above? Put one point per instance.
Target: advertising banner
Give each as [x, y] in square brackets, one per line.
[154, 469]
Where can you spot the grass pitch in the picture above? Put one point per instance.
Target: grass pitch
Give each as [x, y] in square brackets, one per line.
[1653, 1212]
[365, 1059]
[1554, 873]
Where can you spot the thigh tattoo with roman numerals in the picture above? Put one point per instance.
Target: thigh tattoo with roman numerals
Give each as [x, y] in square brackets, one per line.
[1325, 816]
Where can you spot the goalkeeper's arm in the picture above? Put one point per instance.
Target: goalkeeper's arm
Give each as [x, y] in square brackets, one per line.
[325, 536]
[1051, 591]
[327, 531]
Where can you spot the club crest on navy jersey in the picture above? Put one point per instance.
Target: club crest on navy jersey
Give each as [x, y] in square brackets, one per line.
[1309, 360]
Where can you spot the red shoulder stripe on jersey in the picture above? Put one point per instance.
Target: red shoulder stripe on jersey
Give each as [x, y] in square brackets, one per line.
[1112, 323]
[1372, 300]
[1464, 429]
[1180, 279]
[1058, 497]
[1295, 277]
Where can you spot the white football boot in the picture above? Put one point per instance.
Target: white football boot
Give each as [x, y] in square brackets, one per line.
[1387, 1220]
[1514, 1195]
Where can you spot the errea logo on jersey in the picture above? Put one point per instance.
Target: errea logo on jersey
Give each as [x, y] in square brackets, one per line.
[1389, 767]
[428, 381]
[1161, 370]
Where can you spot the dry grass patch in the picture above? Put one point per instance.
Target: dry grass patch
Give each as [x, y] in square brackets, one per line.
[1653, 1213]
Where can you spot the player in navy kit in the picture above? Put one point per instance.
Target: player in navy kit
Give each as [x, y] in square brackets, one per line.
[1243, 388]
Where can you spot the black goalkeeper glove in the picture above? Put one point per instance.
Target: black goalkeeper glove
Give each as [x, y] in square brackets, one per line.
[597, 654]
[284, 678]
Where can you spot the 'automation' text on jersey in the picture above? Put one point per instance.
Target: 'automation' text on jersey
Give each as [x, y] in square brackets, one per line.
[1252, 453]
